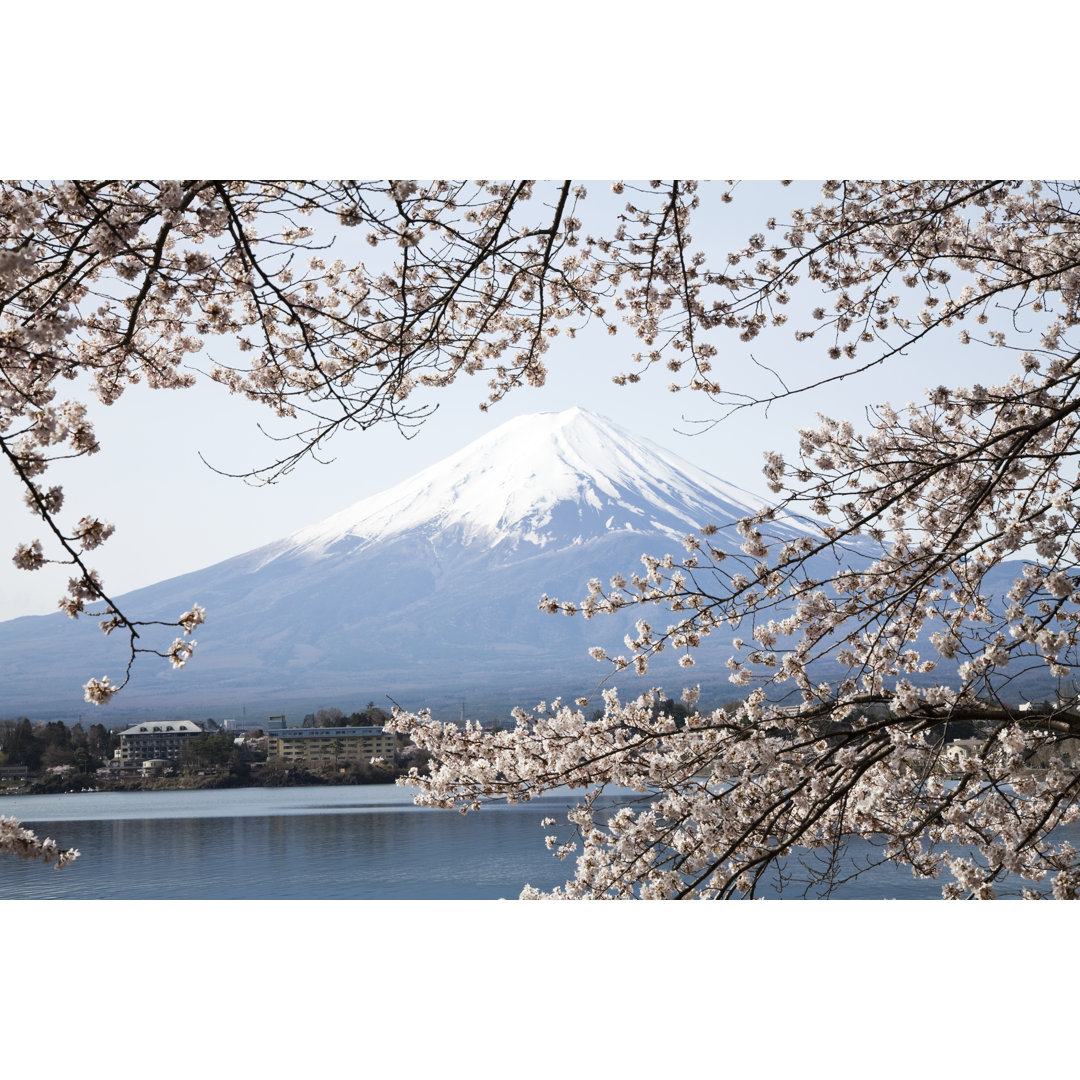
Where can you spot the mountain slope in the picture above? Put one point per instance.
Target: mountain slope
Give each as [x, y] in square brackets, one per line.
[426, 591]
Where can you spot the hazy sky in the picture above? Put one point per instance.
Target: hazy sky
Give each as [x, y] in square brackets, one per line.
[173, 514]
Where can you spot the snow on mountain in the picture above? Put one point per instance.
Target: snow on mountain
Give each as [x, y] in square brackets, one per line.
[539, 480]
[428, 589]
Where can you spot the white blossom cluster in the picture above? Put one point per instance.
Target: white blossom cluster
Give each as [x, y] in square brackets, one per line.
[727, 799]
[24, 844]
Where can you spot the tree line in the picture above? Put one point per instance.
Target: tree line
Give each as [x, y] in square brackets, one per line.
[41, 746]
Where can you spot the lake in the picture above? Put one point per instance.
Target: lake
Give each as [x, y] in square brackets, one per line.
[344, 843]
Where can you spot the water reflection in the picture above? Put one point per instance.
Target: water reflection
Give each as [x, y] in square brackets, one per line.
[380, 854]
[308, 844]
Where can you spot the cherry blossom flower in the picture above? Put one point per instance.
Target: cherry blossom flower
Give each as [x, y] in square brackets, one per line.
[24, 844]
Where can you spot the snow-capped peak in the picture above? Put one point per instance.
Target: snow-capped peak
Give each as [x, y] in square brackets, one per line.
[541, 479]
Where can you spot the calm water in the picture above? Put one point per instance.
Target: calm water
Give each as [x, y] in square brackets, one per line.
[366, 842]
[361, 843]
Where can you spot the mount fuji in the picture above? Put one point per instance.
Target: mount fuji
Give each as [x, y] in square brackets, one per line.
[427, 592]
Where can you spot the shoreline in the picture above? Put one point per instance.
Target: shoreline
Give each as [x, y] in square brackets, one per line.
[292, 777]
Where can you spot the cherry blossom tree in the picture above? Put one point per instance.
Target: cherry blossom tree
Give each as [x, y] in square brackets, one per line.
[920, 512]
[942, 570]
[113, 283]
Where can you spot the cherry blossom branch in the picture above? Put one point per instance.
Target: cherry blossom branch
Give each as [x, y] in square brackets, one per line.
[24, 844]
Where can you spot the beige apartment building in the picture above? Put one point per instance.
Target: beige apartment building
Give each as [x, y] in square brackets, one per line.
[329, 746]
[158, 740]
